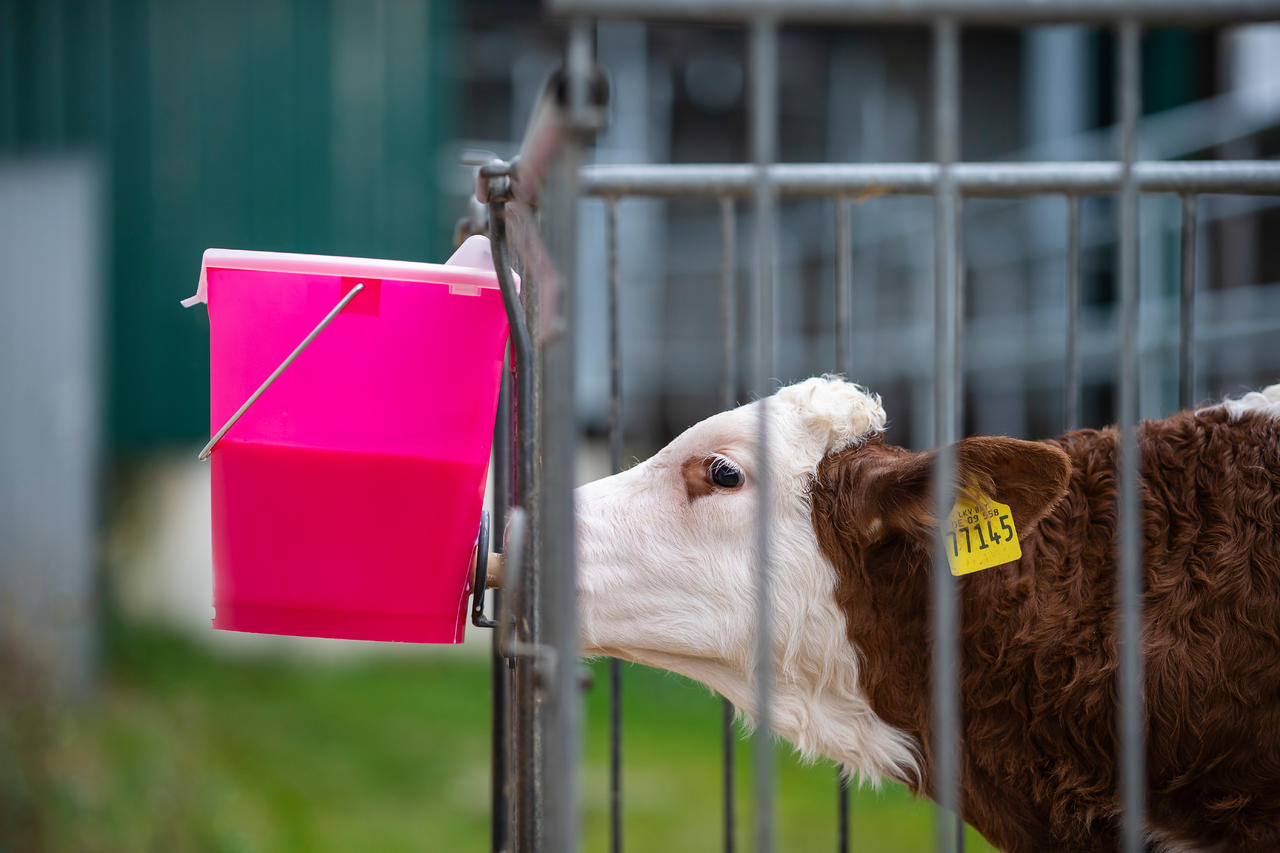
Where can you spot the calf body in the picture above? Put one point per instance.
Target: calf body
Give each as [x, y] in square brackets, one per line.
[666, 579]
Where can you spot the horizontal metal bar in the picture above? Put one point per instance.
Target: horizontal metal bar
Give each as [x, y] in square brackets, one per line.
[999, 12]
[1249, 177]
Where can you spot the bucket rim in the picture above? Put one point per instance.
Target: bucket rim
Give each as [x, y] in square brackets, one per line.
[338, 266]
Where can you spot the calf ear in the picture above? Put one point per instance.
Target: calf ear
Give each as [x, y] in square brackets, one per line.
[1028, 476]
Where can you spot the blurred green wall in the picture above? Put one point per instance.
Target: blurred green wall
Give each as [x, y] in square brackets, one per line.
[285, 125]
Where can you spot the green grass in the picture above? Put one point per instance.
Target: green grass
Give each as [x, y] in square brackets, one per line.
[186, 750]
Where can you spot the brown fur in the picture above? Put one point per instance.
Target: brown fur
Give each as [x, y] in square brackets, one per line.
[696, 482]
[1038, 650]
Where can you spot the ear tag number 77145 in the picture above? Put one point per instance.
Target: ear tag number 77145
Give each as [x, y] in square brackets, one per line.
[980, 535]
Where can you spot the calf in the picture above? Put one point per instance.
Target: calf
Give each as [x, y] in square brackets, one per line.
[667, 556]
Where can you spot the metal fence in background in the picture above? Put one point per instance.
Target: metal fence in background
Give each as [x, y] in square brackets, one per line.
[536, 681]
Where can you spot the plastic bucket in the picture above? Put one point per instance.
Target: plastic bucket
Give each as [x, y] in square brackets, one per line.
[347, 498]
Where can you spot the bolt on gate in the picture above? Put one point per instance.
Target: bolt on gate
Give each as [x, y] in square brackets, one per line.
[529, 208]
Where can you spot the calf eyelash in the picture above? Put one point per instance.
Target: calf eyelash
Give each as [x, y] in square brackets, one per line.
[724, 473]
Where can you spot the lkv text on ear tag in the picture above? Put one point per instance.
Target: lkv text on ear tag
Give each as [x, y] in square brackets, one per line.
[979, 536]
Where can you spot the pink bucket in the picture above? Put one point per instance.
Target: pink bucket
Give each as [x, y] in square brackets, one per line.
[347, 498]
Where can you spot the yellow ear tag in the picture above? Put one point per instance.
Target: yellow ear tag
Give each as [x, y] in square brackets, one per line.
[980, 536]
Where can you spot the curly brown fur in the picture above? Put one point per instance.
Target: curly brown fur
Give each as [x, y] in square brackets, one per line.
[1038, 638]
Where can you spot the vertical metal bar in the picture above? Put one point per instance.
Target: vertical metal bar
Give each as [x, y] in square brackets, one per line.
[728, 303]
[559, 444]
[728, 395]
[1187, 311]
[615, 465]
[957, 374]
[844, 296]
[557, 603]
[945, 616]
[1073, 393]
[499, 781]
[523, 777]
[957, 363]
[1129, 725]
[844, 292]
[502, 456]
[730, 813]
[842, 813]
[764, 68]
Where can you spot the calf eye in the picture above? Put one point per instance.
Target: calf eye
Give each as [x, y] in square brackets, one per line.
[724, 473]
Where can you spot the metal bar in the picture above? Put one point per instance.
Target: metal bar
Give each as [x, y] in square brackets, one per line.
[728, 396]
[729, 303]
[521, 346]
[500, 738]
[558, 433]
[844, 295]
[992, 180]
[1073, 388]
[1129, 672]
[842, 812]
[730, 813]
[615, 465]
[281, 368]
[523, 780]
[529, 755]
[1187, 312]
[945, 615]
[992, 12]
[957, 373]
[844, 284]
[527, 693]
[962, 292]
[764, 124]
[615, 353]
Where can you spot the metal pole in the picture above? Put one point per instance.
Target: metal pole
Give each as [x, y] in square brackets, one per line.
[988, 180]
[560, 697]
[764, 76]
[523, 786]
[945, 621]
[842, 813]
[728, 395]
[962, 291]
[957, 377]
[615, 465]
[844, 284]
[499, 780]
[1072, 402]
[559, 443]
[1187, 314]
[844, 296]
[1129, 672]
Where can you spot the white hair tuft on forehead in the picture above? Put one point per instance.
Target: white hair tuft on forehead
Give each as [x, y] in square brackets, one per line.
[839, 413]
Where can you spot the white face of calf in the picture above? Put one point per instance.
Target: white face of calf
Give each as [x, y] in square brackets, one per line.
[667, 568]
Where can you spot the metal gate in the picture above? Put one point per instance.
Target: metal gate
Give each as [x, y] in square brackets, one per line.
[529, 208]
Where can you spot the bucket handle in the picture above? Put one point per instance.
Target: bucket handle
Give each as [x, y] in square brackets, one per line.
[275, 374]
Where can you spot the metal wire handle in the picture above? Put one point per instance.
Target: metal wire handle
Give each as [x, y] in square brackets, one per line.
[275, 374]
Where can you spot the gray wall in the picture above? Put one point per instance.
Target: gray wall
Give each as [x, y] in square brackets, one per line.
[50, 364]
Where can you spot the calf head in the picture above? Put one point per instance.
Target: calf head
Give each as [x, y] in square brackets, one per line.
[668, 552]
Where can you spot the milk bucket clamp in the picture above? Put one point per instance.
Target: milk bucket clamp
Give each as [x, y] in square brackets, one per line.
[495, 187]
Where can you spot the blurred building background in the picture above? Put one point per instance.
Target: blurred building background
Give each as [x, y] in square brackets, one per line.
[136, 133]
[678, 95]
[278, 125]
